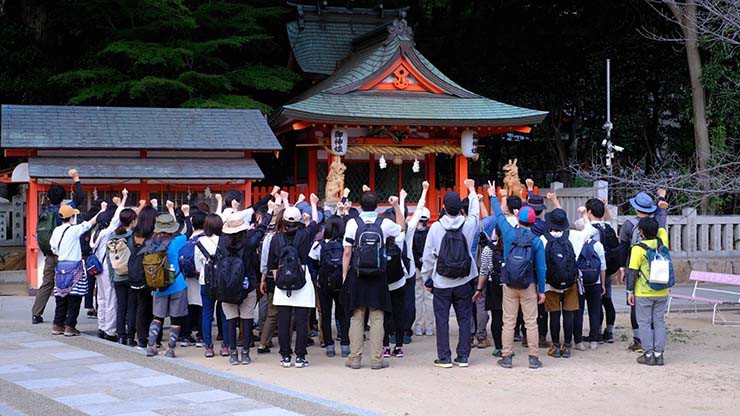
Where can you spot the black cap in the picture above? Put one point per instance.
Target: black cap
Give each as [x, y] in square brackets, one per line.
[557, 219]
[452, 203]
[536, 202]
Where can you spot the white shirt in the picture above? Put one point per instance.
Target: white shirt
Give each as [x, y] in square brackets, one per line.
[69, 248]
[577, 239]
[210, 244]
[390, 228]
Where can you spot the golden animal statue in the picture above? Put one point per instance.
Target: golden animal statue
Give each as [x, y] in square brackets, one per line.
[511, 178]
[335, 180]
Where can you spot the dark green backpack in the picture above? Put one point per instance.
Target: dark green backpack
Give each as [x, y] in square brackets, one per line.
[45, 228]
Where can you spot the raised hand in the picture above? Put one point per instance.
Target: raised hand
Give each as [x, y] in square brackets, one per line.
[661, 193]
[530, 184]
[218, 197]
[365, 188]
[284, 195]
[74, 174]
[270, 206]
[469, 183]
[425, 186]
[346, 192]
[153, 202]
[124, 192]
[103, 206]
[551, 196]
[403, 194]
[117, 201]
[169, 204]
[275, 190]
[393, 200]
[314, 199]
[301, 198]
[491, 189]
[235, 205]
[185, 210]
[581, 210]
[142, 203]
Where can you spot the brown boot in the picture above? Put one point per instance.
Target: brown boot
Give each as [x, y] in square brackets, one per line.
[71, 331]
[57, 330]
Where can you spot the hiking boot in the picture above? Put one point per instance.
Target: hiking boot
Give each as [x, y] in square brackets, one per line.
[461, 362]
[57, 330]
[353, 363]
[525, 342]
[580, 346]
[646, 359]
[497, 353]
[505, 362]
[659, 359]
[607, 337]
[636, 346]
[209, 353]
[443, 363]
[381, 365]
[224, 350]
[234, 357]
[170, 353]
[554, 351]
[286, 361]
[565, 351]
[542, 343]
[398, 352]
[534, 362]
[71, 331]
[151, 351]
[593, 345]
[246, 359]
[301, 362]
[263, 350]
[37, 319]
[386, 352]
[331, 351]
[484, 343]
[345, 351]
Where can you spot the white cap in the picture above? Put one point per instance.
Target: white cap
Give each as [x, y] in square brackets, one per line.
[292, 214]
[424, 214]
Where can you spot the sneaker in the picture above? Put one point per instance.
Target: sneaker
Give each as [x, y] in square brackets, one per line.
[246, 359]
[646, 359]
[301, 362]
[398, 352]
[353, 363]
[286, 361]
[345, 351]
[497, 353]
[314, 333]
[92, 314]
[187, 341]
[263, 350]
[331, 351]
[525, 342]
[484, 343]
[151, 350]
[554, 351]
[505, 362]
[209, 353]
[234, 357]
[565, 351]
[170, 353]
[418, 332]
[37, 319]
[383, 364]
[224, 350]
[636, 346]
[132, 342]
[542, 343]
[593, 345]
[443, 363]
[659, 359]
[57, 330]
[141, 346]
[517, 338]
[71, 331]
[101, 334]
[200, 342]
[310, 342]
[461, 362]
[429, 332]
[386, 352]
[123, 341]
[607, 337]
[407, 339]
[580, 346]
[534, 362]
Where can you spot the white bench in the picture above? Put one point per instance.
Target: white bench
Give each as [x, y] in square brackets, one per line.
[709, 277]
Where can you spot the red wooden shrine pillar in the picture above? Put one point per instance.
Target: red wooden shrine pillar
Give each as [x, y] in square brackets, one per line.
[431, 176]
[32, 247]
[247, 192]
[461, 173]
[313, 174]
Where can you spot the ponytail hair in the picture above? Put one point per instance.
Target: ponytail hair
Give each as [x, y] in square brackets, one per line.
[127, 217]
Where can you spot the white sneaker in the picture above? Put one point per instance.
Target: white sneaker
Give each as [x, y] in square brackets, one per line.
[429, 332]
[418, 332]
[581, 346]
[593, 345]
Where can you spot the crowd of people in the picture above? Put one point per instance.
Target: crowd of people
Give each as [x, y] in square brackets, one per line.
[347, 275]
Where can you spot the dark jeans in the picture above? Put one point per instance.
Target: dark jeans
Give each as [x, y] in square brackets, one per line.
[497, 327]
[326, 299]
[606, 301]
[90, 295]
[568, 323]
[409, 305]
[209, 306]
[285, 314]
[591, 298]
[460, 298]
[67, 310]
[542, 320]
[125, 324]
[142, 313]
[393, 321]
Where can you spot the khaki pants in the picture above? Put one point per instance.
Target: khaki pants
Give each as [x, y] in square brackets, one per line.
[513, 298]
[268, 327]
[47, 286]
[357, 330]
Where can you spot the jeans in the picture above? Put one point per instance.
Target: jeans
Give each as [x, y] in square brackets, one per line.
[650, 313]
[513, 299]
[47, 286]
[460, 298]
[67, 310]
[606, 301]
[409, 305]
[326, 299]
[481, 316]
[393, 321]
[125, 326]
[142, 298]
[592, 298]
[357, 334]
[209, 306]
[285, 315]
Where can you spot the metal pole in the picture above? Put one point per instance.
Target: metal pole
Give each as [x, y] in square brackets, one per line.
[608, 125]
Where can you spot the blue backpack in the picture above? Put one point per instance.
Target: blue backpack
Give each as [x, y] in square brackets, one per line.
[589, 264]
[661, 275]
[518, 268]
[186, 258]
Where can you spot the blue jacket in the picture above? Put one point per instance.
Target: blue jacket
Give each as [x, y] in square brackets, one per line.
[509, 235]
[173, 256]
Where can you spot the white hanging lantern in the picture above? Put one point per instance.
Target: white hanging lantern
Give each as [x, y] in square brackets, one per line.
[416, 167]
[339, 141]
[469, 143]
[382, 163]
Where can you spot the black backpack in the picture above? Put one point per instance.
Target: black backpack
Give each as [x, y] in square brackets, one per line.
[420, 239]
[561, 261]
[230, 273]
[394, 266]
[330, 265]
[369, 249]
[612, 251]
[136, 277]
[210, 270]
[290, 274]
[454, 260]
[589, 264]
[517, 270]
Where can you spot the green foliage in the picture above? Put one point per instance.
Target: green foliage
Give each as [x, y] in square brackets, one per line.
[265, 78]
[148, 54]
[227, 101]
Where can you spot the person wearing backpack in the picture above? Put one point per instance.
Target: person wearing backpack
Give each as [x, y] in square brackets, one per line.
[186, 260]
[448, 266]
[491, 260]
[294, 292]
[424, 322]
[70, 279]
[591, 263]
[160, 256]
[267, 285]
[237, 279]
[599, 216]
[523, 277]
[327, 256]
[365, 289]
[47, 222]
[117, 259]
[537, 203]
[411, 227]
[649, 279]
[140, 295]
[397, 266]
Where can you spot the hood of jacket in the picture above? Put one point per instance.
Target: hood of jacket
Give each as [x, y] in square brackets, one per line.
[451, 223]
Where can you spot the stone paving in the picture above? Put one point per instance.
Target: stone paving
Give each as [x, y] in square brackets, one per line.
[96, 384]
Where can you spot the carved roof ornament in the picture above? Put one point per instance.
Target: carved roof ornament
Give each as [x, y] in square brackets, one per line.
[400, 29]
